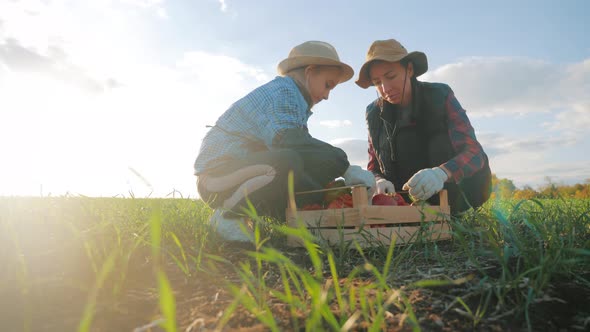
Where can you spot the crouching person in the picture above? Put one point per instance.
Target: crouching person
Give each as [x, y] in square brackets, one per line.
[250, 151]
[420, 138]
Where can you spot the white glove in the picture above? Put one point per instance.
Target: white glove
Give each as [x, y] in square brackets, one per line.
[357, 175]
[426, 183]
[384, 186]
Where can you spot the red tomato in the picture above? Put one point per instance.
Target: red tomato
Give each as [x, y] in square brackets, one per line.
[400, 200]
[384, 199]
[331, 195]
[342, 201]
[310, 207]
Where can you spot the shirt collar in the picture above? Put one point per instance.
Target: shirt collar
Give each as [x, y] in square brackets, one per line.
[305, 94]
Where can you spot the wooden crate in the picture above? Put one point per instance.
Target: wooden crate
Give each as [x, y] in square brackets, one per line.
[370, 223]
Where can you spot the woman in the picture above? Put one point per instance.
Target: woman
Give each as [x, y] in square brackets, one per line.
[261, 138]
[420, 138]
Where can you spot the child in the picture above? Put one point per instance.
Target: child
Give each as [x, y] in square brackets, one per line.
[261, 138]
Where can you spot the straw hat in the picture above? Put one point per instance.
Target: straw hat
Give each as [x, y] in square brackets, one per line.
[390, 50]
[314, 53]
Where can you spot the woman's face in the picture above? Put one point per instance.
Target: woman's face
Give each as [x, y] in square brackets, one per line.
[390, 78]
[320, 81]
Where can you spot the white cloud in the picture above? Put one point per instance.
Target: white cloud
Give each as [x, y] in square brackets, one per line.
[96, 35]
[515, 85]
[336, 123]
[155, 6]
[573, 122]
[509, 86]
[144, 3]
[54, 63]
[33, 23]
[497, 144]
[152, 122]
[529, 160]
[145, 116]
[162, 13]
[356, 150]
[219, 70]
[223, 5]
[530, 169]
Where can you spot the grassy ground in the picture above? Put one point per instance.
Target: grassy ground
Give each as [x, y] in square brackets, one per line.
[100, 264]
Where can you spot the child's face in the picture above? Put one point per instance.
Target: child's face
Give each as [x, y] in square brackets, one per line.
[321, 80]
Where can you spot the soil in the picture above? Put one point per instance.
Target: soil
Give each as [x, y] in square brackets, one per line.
[58, 290]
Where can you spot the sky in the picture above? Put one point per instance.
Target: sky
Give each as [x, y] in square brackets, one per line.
[112, 97]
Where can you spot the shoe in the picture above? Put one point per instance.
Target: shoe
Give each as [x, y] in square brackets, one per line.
[230, 230]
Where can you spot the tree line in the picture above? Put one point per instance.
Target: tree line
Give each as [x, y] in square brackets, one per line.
[505, 189]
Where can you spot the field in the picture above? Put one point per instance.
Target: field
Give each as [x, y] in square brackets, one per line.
[126, 264]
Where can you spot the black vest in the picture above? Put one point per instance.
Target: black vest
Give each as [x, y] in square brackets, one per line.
[407, 143]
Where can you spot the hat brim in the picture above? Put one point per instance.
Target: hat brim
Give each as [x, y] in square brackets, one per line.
[289, 64]
[418, 59]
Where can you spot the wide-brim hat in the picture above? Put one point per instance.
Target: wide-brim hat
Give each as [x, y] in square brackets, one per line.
[392, 51]
[314, 53]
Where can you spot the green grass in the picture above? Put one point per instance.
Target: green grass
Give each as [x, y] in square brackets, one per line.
[96, 264]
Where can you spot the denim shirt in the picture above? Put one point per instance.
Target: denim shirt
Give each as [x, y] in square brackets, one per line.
[253, 122]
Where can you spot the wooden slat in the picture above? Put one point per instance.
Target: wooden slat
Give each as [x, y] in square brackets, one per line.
[329, 189]
[327, 221]
[359, 197]
[346, 217]
[401, 214]
[370, 236]
[369, 215]
[444, 199]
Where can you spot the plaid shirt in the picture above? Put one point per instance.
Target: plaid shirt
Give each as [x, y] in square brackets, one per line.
[470, 156]
[253, 122]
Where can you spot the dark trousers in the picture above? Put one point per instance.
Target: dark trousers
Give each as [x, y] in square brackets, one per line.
[271, 199]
